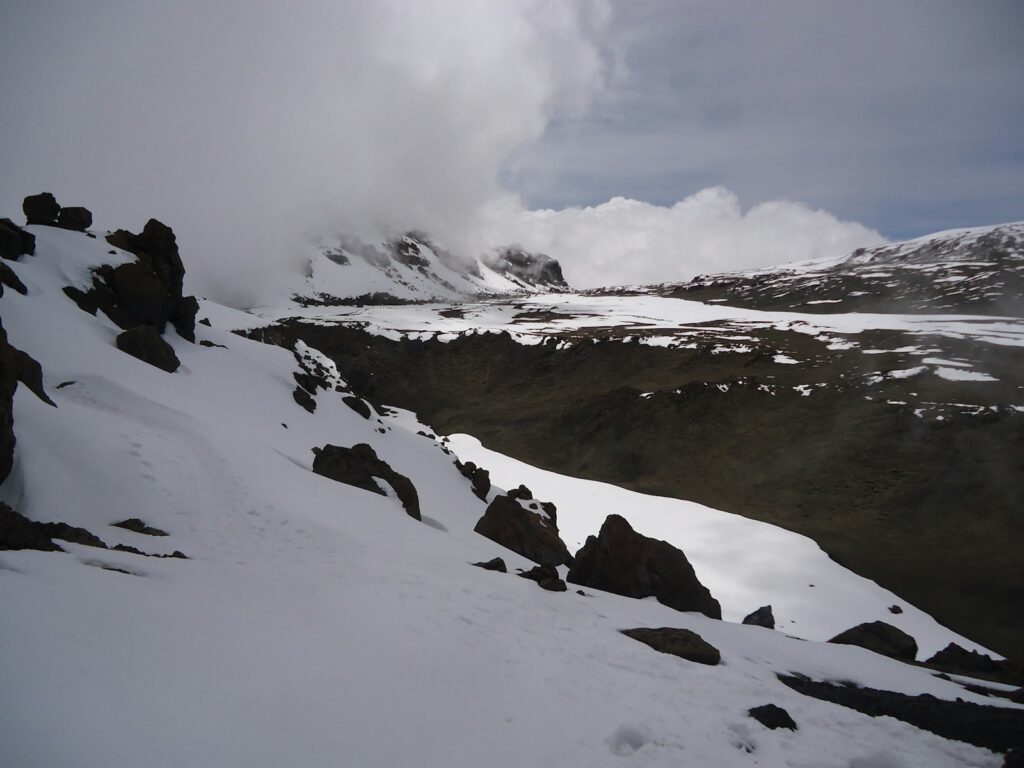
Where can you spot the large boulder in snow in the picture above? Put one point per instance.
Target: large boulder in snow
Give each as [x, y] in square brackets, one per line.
[359, 466]
[41, 209]
[147, 291]
[762, 617]
[546, 577]
[622, 561]
[144, 343]
[15, 241]
[525, 528]
[881, 638]
[677, 642]
[75, 218]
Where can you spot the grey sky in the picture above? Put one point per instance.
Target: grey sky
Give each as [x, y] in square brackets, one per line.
[905, 115]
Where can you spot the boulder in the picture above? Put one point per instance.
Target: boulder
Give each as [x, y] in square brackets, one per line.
[358, 405]
[881, 638]
[622, 561]
[478, 477]
[136, 525]
[953, 658]
[494, 564]
[11, 280]
[75, 218]
[772, 716]
[303, 398]
[677, 642]
[15, 367]
[546, 576]
[144, 343]
[15, 241]
[762, 617]
[529, 533]
[359, 466]
[41, 209]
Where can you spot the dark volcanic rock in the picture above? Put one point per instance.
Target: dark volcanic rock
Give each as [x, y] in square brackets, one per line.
[762, 617]
[622, 561]
[15, 241]
[772, 716]
[528, 533]
[494, 564]
[15, 366]
[11, 280]
[41, 209]
[143, 342]
[959, 660]
[546, 576]
[881, 638]
[995, 728]
[136, 525]
[479, 477]
[677, 642]
[303, 398]
[18, 532]
[359, 466]
[75, 217]
[358, 405]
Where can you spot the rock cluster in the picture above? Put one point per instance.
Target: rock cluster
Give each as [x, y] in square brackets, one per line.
[478, 477]
[359, 466]
[622, 561]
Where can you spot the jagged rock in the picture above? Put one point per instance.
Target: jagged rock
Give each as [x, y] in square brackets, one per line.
[546, 576]
[895, 609]
[358, 405]
[881, 638]
[303, 398]
[41, 209]
[18, 532]
[494, 564]
[136, 525]
[522, 492]
[532, 268]
[622, 561]
[772, 716]
[147, 291]
[762, 617]
[677, 642]
[75, 218]
[359, 466]
[478, 477]
[15, 366]
[530, 534]
[144, 343]
[953, 658]
[15, 241]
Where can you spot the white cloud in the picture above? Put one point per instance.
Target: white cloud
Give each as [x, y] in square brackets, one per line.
[631, 242]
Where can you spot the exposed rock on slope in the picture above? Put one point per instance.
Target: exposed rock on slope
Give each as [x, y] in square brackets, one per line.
[144, 343]
[881, 638]
[622, 561]
[360, 466]
[683, 643]
[523, 527]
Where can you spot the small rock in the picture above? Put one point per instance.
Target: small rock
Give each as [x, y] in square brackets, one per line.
[772, 716]
[677, 642]
[495, 564]
[144, 343]
[895, 609]
[881, 638]
[303, 398]
[522, 492]
[546, 576]
[358, 405]
[762, 617]
[136, 525]
[75, 218]
[41, 209]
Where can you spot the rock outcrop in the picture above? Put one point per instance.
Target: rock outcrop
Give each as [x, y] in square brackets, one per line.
[147, 291]
[524, 528]
[677, 642]
[359, 466]
[478, 477]
[41, 209]
[762, 617]
[622, 561]
[144, 343]
[953, 658]
[15, 366]
[15, 241]
[546, 577]
[881, 638]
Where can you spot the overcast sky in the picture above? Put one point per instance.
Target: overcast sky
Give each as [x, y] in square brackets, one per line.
[635, 140]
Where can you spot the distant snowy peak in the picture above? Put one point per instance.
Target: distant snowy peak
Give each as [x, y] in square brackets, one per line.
[413, 268]
[975, 271]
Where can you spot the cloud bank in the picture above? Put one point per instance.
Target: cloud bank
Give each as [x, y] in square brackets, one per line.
[631, 242]
[253, 128]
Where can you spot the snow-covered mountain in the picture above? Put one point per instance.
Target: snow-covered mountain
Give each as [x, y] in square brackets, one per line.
[412, 269]
[212, 557]
[962, 271]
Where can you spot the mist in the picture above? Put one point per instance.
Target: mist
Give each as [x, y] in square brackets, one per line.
[255, 128]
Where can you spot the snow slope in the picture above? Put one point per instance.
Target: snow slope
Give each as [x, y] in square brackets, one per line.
[317, 624]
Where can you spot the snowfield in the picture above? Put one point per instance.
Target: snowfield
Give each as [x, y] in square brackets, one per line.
[316, 624]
